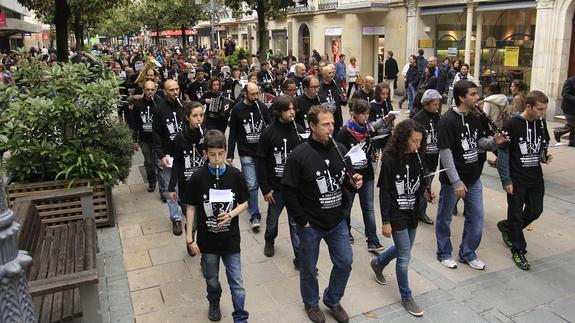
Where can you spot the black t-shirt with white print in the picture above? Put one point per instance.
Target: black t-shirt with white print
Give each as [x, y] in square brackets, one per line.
[246, 124]
[402, 185]
[276, 143]
[211, 238]
[304, 104]
[364, 167]
[188, 157]
[318, 174]
[460, 133]
[429, 120]
[527, 139]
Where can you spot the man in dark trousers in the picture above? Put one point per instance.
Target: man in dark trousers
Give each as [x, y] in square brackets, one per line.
[248, 119]
[312, 183]
[568, 107]
[519, 166]
[276, 143]
[391, 70]
[167, 123]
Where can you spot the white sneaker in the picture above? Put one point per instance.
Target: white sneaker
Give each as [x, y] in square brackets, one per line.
[476, 264]
[449, 263]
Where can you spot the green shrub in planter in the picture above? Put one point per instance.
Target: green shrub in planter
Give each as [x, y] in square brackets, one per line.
[59, 123]
[238, 55]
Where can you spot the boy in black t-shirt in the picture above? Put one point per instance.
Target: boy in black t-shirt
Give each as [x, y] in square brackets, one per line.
[220, 194]
[519, 166]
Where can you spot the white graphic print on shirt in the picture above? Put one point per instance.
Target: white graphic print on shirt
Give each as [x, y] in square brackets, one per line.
[193, 159]
[530, 146]
[173, 126]
[253, 128]
[280, 156]
[146, 120]
[212, 211]
[431, 146]
[406, 188]
[469, 145]
[329, 186]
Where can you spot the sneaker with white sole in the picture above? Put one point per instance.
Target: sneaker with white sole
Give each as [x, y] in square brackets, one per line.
[476, 264]
[449, 263]
[411, 307]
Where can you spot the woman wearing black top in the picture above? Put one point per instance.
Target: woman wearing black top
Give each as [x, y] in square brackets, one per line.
[217, 106]
[400, 184]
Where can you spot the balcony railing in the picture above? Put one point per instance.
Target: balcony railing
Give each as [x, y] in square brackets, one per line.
[301, 9]
[327, 4]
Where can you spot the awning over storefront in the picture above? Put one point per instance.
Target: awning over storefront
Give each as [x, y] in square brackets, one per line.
[15, 26]
[507, 5]
[428, 11]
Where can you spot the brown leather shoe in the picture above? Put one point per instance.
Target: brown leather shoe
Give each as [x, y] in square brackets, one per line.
[314, 313]
[338, 313]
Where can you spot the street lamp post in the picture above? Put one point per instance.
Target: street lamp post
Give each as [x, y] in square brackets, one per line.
[213, 24]
[14, 295]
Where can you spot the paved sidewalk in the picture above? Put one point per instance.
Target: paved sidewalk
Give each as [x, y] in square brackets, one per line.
[165, 284]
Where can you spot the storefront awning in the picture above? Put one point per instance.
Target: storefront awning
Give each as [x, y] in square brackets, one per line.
[428, 11]
[507, 5]
[14, 26]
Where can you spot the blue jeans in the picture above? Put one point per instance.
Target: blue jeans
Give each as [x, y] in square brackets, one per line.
[367, 211]
[410, 96]
[403, 242]
[233, 266]
[337, 240]
[472, 227]
[175, 214]
[249, 170]
[274, 211]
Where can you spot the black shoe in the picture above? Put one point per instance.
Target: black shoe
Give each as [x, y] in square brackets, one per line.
[164, 200]
[378, 272]
[558, 134]
[425, 219]
[255, 224]
[214, 313]
[151, 187]
[314, 313]
[296, 264]
[504, 235]
[177, 227]
[520, 261]
[269, 249]
[375, 247]
[412, 308]
[338, 313]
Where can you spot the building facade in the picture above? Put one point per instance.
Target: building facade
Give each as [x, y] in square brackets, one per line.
[18, 28]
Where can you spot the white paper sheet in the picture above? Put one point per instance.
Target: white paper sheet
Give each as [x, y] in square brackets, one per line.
[217, 196]
[356, 154]
[393, 113]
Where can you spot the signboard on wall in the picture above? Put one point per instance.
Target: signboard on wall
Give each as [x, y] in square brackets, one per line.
[426, 43]
[2, 19]
[511, 56]
[373, 31]
[332, 31]
[452, 51]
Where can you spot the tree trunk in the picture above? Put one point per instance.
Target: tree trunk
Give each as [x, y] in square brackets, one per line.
[61, 16]
[157, 33]
[263, 41]
[78, 33]
[184, 36]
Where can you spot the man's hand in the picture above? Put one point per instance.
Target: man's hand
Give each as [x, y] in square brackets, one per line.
[172, 196]
[193, 246]
[230, 161]
[164, 162]
[548, 157]
[208, 101]
[501, 137]
[509, 189]
[389, 117]
[460, 191]
[269, 198]
[386, 230]
[224, 218]
[357, 181]
[430, 197]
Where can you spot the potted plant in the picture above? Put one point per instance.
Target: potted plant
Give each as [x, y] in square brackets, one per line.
[59, 129]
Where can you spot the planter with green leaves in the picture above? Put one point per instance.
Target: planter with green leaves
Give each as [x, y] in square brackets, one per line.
[58, 123]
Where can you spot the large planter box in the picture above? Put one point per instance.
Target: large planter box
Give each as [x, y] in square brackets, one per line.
[59, 213]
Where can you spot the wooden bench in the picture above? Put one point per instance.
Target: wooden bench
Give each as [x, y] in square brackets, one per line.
[63, 279]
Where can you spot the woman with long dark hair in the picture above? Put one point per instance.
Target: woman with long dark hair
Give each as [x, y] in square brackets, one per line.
[401, 182]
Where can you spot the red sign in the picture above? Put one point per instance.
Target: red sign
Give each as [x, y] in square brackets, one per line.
[178, 32]
[45, 37]
[2, 19]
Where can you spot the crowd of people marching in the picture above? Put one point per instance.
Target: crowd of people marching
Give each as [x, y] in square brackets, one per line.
[189, 112]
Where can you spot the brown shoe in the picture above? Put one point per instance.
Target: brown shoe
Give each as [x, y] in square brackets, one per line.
[314, 313]
[339, 314]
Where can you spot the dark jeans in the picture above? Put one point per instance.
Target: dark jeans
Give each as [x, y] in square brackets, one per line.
[349, 86]
[274, 211]
[569, 127]
[367, 210]
[151, 162]
[524, 206]
[232, 263]
[337, 240]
